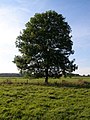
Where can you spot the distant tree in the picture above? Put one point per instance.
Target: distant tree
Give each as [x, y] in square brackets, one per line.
[45, 46]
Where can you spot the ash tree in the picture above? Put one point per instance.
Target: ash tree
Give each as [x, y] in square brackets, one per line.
[45, 46]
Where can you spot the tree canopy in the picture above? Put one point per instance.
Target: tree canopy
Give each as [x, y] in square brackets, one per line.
[45, 46]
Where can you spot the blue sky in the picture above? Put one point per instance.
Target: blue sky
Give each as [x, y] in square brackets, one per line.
[15, 13]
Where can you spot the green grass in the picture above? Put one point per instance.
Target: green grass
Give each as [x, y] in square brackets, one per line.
[36, 101]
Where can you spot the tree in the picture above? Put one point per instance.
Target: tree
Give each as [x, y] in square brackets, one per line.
[45, 46]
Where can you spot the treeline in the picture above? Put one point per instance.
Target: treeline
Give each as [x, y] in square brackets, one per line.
[78, 75]
[10, 75]
[40, 75]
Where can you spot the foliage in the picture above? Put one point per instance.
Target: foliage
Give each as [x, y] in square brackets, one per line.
[45, 46]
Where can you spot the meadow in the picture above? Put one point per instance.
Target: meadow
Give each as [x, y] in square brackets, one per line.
[61, 99]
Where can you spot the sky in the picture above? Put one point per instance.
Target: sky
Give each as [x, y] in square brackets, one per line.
[14, 14]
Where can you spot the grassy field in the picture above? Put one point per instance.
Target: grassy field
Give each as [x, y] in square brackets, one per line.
[33, 100]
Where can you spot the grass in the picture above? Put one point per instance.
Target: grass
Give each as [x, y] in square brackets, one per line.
[37, 101]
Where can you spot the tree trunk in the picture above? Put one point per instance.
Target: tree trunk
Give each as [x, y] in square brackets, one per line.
[46, 75]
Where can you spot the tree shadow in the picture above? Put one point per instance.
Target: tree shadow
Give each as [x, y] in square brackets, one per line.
[71, 84]
[64, 83]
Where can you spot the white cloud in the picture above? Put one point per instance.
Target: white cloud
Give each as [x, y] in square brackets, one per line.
[9, 25]
[9, 30]
[83, 71]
